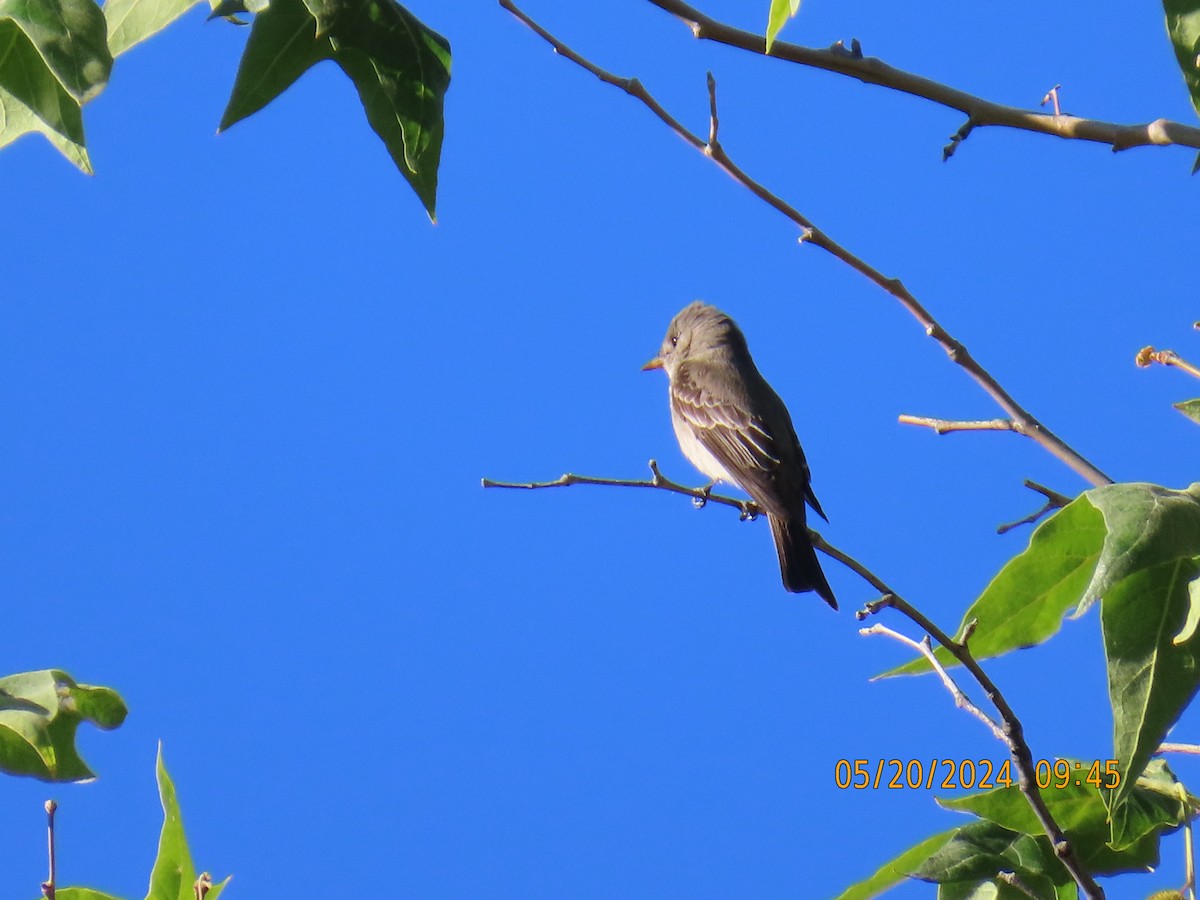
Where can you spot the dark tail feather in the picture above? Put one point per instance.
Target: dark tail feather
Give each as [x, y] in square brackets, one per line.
[798, 560]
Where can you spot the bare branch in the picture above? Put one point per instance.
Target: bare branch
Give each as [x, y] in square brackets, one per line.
[925, 648]
[945, 426]
[1148, 355]
[1052, 95]
[978, 111]
[1054, 500]
[1023, 420]
[700, 496]
[1012, 731]
[50, 885]
[1187, 749]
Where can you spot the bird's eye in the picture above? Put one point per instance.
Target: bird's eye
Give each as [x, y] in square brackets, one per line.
[674, 339]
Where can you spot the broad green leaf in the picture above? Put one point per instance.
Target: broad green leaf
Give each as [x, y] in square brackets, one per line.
[282, 46]
[981, 850]
[781, 11]
[17, 120]
[401, 69]
[899, 869]
[1080, 811]
[1156, 804]
[1025, 603]
[1151, 554]
[71, 39]
[1190, 408]
[174, 872]
[1183, 27]
[132, 21]
[39, 714]
[25, 78]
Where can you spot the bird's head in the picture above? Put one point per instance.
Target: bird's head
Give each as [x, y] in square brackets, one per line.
[696, 332]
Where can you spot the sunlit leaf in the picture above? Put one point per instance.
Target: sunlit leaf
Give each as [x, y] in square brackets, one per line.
[1183, 26]
[1025, 603]
[39, 715]
[780, 12]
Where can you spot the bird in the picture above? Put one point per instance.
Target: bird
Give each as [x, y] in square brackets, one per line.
[733, 427]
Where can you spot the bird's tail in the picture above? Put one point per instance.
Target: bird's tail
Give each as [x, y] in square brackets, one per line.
[798, 560]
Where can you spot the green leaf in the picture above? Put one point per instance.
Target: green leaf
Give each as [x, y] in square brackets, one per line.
[39, 714]
[400, 67]
[71, 39]
[1157, 803]
[1025, 603]
[132, 21]
[1080, 811]
[1190, 408]
[896, 870]
[979, 851]
[282, 46]
[1183, 27]
[1150, 556]
[995, 889]
[37, 103]
[781, 11]
[174, 873]
[74, 893]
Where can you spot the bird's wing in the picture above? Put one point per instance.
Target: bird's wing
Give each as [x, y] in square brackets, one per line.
[739, 440]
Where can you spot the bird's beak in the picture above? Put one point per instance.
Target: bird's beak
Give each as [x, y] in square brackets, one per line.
[655, 363]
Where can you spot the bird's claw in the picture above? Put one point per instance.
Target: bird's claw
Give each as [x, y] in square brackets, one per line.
[702, 501]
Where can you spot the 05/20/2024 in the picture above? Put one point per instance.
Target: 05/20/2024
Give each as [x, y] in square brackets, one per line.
[983, 774]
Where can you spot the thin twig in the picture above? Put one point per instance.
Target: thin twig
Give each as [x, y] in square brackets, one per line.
[1052, 95]
[1012, 730]
[925, 648]
[1148, 355]
[48, 886]
[1023, 421]
[1186, 749]
[979, 112]
[1054, 500]
[945, 426]
[700, 496]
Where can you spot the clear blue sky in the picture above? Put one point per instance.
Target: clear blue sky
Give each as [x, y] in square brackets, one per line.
[248, 393]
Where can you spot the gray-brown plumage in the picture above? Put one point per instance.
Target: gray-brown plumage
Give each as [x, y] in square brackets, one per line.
[733, 427]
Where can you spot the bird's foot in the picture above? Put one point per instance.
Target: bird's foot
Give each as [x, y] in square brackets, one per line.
[702, 501]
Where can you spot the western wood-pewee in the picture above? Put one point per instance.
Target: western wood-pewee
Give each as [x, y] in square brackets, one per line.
[733, 427]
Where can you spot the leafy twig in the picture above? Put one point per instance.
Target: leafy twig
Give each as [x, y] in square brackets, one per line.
[979, 112]
[1010, 730]
[1023, 421]
[49, 885]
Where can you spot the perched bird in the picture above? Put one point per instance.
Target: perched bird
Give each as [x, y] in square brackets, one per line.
[733, 427]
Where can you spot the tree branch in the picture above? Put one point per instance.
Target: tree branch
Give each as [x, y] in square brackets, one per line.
[1054, 500]
[979, 112]
[1012, 731]
[1022, 419]
[945, 426]
[1148, 355]
[925, 648]
[700, 496]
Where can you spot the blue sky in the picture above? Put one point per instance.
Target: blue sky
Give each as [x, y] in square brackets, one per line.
[248, 393]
